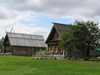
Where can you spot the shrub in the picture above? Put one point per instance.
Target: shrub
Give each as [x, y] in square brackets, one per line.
[41, 52]
[86, 58]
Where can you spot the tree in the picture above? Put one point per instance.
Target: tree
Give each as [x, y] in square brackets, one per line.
[1, 43]
[87, 34]
[82, 36]
[66, 42]
[79, 33]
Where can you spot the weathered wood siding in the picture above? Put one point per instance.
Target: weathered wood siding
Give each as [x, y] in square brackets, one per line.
[25, 51]
[55, 36]
[7, 49]
[12, 46]
[55, 49]
[53, 43]
[20, 51]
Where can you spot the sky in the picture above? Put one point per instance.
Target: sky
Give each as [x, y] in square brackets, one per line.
[36, 16]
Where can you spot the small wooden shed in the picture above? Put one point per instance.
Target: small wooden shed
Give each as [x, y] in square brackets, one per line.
[23, 44]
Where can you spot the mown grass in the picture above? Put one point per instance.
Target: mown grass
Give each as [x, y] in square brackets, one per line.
[20, 65]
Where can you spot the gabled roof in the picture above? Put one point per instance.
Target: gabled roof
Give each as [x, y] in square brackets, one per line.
[17, 39]
[59, 28]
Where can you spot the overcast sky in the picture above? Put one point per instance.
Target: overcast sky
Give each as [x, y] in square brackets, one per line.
[36, 16]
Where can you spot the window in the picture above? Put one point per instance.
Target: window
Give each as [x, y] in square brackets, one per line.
[50, 48]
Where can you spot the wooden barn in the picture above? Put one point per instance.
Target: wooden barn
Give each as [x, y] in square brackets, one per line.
[54, 37]
[23, 44]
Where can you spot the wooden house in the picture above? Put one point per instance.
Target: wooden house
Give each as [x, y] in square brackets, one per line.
[54, 37]
[23, 44]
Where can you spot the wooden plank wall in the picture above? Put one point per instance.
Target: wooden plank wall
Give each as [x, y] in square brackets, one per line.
[25, 51]
[20, 51]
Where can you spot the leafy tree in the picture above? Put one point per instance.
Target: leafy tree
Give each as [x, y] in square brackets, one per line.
[66, 42]
[1, 43]
[87, 36]
[82, 36]
[79, 33]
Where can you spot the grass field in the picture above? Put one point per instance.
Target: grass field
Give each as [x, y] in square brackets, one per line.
[19, 65]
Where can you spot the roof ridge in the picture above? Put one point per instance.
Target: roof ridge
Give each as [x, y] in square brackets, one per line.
[60, 23]
[24, 34]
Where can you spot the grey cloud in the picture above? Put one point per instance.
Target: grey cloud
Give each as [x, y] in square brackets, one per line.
[7, 14]
[85, 8]
[12, 1]
[3, 15]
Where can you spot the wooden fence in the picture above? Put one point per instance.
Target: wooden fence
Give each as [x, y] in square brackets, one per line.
[49, 56]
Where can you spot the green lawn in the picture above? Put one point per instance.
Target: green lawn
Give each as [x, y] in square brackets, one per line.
[19, 65]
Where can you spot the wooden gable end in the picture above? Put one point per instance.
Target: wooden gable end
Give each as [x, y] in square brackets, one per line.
[55, 35]
[6, 40]
[6, 43]
[56, 31]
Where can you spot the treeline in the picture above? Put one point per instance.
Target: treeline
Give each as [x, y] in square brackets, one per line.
[1, 44]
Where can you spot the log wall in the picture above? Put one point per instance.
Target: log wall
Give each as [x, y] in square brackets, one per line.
[7, 49]
[55, 36]
[25, 51]
[55, 49]
[20, 51]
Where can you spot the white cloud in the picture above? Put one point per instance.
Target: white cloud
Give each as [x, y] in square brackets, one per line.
[12, 11]
[14, 23]
[31, 30]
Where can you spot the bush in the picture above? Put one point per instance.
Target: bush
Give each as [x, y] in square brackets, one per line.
[41, 52]
[86, 58]
[50, 52]
[1, 54]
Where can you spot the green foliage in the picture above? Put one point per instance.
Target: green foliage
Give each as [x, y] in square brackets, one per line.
[78, 35]
[82, 36]
[41, 52]
[1, 43]
[86, 58]
[66, 42]
[1, 54]
[50, 52]
[85, 35]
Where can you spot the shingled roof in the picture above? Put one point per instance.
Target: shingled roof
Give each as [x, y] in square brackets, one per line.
[27, 40]
[59, 28]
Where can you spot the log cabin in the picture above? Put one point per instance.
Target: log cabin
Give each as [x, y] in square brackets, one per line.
[54, 37]
[23, 44]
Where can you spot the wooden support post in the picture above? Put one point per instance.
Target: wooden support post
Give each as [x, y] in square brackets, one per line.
[53, 48]
[49, 48]
[36, 50]
[32, 50]
[57, 49]
[27, 51]
[4, 48]
[12, 50]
